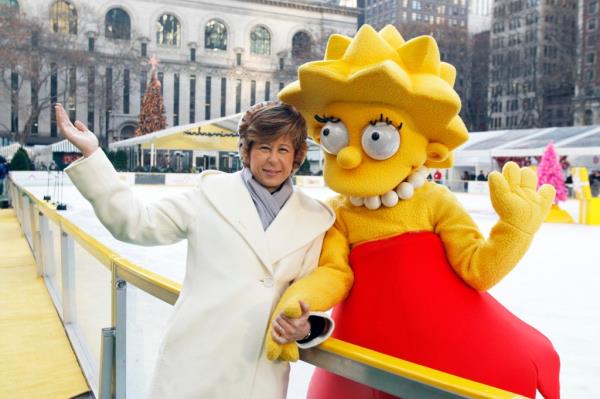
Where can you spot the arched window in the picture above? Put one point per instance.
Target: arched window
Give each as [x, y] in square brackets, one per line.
[168, 30]
[63, 17]
[588, 117]
[301, 45]
[260, 41]
[127, 131]
[117, 24]
[215, 35]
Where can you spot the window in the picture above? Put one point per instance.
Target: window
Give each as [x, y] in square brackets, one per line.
[238, 96]
[588, 117]
[91, 96]
[63, 17]
[207, 95]
[34, 106]
[8, 7]
[91, 44]
[143, 84]
[161, 78]
[252, 92]
[215, 35]
[193, 54]
[192, 98]
[72, 98]
[281, 85]
[592, 24]
[281, 63]
[126, 91]
[168, 30]
[593, 7]
[301, 45]
[267, 91]
[144, 49]
[117, 24]
[176, 99]
[53, 98]
[260, 41]
[223, 95]
[590, 58]
[238, 59]
[109, 97]
[14, 102]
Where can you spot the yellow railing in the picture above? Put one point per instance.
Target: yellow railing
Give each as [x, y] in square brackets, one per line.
[371, 368]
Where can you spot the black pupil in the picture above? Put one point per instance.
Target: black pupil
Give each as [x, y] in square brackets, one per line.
[375, 136]
[325, 132]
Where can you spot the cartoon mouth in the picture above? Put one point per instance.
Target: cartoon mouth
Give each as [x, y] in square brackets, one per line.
[402, 191]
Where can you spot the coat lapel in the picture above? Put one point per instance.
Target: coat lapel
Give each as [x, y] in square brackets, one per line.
[300, 221]
[230, 197]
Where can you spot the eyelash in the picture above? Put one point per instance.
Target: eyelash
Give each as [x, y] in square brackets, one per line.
[325, 119]
[387, 120]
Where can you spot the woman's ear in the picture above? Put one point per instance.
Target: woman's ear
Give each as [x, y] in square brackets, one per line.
[437, 152]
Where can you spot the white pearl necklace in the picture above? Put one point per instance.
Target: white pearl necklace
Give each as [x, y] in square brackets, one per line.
[404, 191]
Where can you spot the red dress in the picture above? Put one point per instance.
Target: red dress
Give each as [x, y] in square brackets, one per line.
[408, 302]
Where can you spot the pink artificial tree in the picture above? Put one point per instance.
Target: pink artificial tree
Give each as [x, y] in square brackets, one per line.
[549, 171]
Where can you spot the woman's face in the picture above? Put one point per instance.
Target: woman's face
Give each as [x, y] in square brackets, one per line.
[272, 163]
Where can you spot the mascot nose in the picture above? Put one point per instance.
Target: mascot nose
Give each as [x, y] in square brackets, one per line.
[349, 158]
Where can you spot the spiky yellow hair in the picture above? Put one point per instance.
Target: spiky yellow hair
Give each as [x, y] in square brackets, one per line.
[380, 67]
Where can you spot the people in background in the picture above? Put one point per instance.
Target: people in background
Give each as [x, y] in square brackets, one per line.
[481, 176]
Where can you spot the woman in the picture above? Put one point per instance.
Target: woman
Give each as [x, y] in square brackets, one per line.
[250, 235]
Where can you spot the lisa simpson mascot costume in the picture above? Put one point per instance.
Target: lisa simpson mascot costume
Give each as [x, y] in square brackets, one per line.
[384, 111]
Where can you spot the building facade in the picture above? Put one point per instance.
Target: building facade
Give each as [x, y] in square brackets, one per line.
[445, 20]
[532, 70]
[587, 90]
[216, 58]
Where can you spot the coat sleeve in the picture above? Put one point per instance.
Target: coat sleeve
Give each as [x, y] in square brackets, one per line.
[125, 216]
[480, 262]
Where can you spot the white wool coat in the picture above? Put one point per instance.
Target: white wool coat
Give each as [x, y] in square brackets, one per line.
[235, 274]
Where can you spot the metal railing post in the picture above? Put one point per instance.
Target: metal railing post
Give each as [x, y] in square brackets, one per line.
[107, 361]
[37, 240]
[46, 247]
[121, 339]
[67, 258]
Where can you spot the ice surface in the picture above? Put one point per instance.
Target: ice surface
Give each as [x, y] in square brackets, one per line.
[555, 288]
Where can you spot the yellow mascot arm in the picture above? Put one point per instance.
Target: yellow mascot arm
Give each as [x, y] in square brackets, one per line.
[322, 289]
[483, 263]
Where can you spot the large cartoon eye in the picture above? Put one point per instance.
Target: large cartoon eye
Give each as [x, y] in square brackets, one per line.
[334, 137]
[380, 141]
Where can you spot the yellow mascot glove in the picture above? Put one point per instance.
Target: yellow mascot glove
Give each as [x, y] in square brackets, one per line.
[290, 306]
[516, 199]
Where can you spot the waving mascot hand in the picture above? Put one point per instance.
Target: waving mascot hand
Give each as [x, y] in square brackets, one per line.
[384, 111]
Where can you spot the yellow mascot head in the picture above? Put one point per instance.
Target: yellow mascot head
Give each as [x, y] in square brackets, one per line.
[381, 108]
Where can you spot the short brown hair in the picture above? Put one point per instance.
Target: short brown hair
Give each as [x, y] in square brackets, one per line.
[266, 122]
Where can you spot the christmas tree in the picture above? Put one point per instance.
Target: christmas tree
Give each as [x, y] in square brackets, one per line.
[550, 172]
[152, 115]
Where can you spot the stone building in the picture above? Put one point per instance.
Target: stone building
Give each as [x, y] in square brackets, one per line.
[586, 103]
[532, 71]
[216, 58]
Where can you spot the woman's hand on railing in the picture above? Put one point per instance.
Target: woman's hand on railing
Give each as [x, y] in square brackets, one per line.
[78, 134]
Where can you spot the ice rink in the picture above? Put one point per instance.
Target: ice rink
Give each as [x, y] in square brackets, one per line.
[555, 288]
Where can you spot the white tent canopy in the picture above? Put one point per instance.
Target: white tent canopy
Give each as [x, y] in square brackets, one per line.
[228, 123]
[572, 141]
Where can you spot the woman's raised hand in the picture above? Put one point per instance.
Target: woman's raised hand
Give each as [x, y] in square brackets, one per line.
[78, 134]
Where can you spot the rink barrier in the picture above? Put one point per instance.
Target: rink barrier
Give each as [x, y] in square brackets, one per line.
[108, 378]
